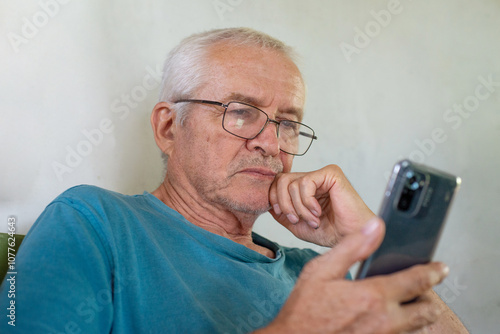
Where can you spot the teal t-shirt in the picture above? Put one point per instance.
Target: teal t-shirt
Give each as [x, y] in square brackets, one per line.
[97, 261]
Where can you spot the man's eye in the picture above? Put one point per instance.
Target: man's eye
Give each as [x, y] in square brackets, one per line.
[246, 114]
[240, 112]
[290, 126]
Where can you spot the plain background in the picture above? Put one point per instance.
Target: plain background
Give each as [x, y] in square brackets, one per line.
[385, 80]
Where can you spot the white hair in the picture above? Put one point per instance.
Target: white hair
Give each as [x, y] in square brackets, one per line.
[186, 68]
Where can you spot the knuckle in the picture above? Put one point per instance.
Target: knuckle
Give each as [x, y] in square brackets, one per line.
[433, 313]
[371, 299]
[305, 178]
[293, 186]
[286, 176]
[283, 179]
[422, 279]
[335, 169]
[426, 315]
[291, 176]
[304, 181]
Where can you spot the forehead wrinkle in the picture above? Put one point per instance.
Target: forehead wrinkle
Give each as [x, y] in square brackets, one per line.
[234, 96]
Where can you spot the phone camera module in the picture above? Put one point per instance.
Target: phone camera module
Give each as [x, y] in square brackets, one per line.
[413, 183]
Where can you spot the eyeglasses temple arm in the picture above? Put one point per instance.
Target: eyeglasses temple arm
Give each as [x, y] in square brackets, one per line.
[202, 101]
[305, 134]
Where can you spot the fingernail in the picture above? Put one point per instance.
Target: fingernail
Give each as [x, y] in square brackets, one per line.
[292, 218]
[314, 212]
[439, 276]
[370, 226]
[314, 225]
[277, 209]
[435, 277]
[445, 270]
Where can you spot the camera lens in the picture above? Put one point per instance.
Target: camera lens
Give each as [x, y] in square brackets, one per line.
[413, 185]
[404, 203]
[412, 180]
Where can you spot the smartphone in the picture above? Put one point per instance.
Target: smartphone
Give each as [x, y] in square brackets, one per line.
[415, 205]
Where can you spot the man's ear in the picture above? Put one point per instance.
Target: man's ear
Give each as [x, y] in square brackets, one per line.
[164, 126]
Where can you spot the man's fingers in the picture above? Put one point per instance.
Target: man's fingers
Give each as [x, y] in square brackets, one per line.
[308, 190]
[304, 203]
[419, 314]
[283, 198]
[351, 249]
[273, 198]
[294, 195]
[413, 282]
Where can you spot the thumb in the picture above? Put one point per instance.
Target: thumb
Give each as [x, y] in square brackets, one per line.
[354, 247]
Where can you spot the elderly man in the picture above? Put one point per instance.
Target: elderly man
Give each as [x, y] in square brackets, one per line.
[183, 259]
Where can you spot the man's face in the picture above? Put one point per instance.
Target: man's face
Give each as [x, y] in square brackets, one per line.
[227, 171]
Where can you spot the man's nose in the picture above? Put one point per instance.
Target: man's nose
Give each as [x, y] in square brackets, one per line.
[267, 141]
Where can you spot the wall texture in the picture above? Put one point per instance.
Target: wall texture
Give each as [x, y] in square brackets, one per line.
[386, 80]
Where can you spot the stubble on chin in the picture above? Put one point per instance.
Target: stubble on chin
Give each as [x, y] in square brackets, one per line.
[255, 204]
[245, 208]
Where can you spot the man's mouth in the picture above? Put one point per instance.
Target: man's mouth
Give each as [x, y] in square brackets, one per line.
[259, 172]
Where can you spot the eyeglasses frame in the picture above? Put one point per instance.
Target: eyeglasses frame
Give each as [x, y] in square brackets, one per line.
[269, 120]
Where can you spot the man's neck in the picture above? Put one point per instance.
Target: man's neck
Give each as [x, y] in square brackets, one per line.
[221, 221]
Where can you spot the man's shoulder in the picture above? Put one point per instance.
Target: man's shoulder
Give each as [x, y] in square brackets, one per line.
[105, 210]
[87, 189]
[98, 201]
[90, 193]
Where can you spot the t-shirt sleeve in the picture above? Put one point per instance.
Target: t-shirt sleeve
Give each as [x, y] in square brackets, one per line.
[64, 277]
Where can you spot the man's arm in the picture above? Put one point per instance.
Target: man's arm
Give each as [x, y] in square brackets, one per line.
[62, 272]
[447, 322]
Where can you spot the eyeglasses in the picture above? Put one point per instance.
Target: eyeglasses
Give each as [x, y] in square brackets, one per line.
[246, 121]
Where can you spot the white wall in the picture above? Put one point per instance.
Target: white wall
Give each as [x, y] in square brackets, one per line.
[70, 67]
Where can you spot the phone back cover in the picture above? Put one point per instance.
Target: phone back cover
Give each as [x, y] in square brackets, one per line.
[411, 237]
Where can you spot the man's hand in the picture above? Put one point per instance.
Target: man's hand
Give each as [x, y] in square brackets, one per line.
[320, 206]
[324, 302]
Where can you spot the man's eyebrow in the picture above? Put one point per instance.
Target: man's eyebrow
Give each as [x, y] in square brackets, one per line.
[243, 98]
[297, 112]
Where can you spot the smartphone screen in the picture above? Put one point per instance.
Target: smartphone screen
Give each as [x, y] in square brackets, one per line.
[415, 205]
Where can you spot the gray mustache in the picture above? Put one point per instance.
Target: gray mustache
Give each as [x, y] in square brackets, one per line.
[275, 165]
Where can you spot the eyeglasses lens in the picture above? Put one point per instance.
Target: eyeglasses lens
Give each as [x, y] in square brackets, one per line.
[247, 122]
